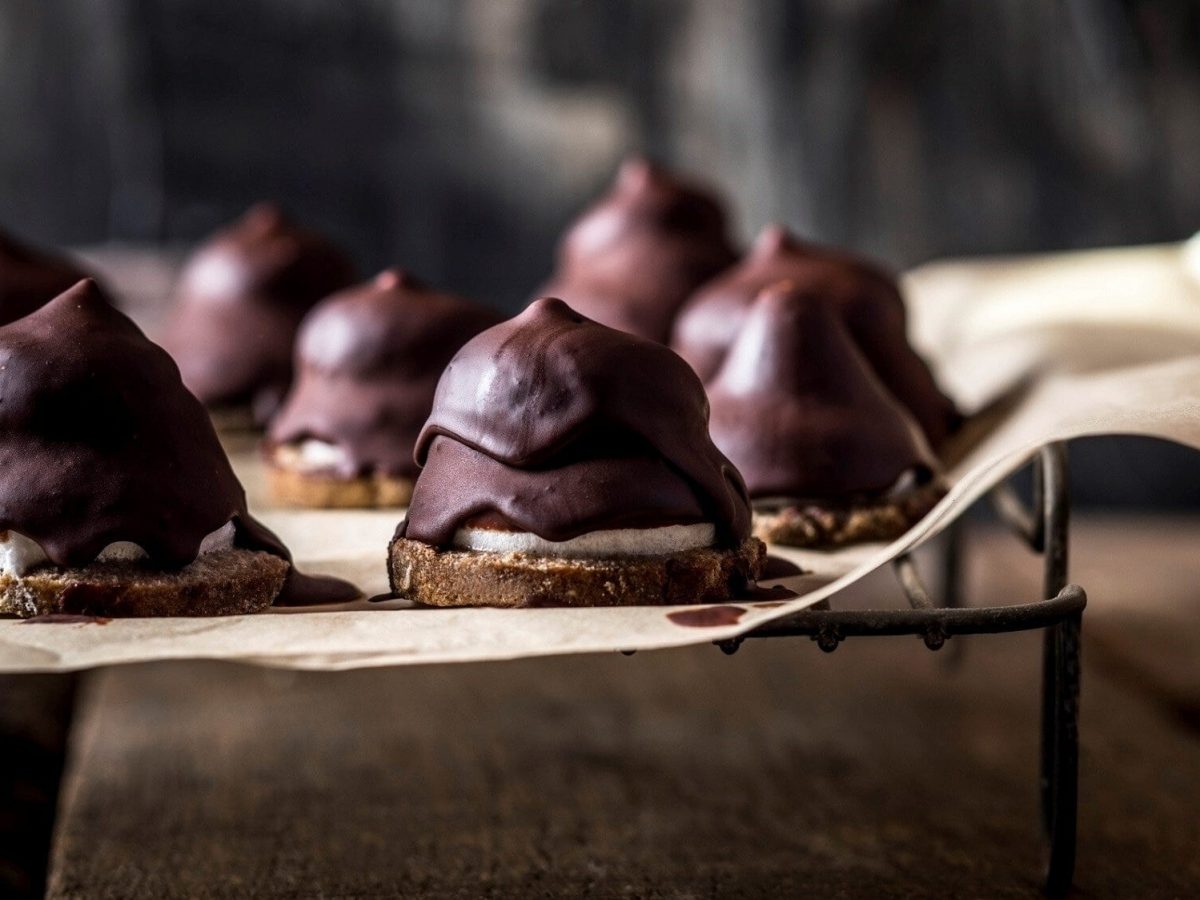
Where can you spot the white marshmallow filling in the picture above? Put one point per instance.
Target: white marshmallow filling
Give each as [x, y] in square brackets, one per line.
[592, 545]
[311, 455]
[19, 554]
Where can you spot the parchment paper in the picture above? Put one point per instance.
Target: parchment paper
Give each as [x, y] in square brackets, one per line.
[1106, 342]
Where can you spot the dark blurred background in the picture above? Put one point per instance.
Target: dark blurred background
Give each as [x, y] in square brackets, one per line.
[459, 136]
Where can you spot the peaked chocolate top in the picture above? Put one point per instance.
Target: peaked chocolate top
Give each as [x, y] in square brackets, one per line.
[369, 360]
[100, 442]
[554, 424]
[798, 409]
[30, 278]
[869, 301]
[633, 259]
[240, 300]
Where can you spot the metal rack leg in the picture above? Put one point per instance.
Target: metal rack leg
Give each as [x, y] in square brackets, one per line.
[1060, 753]
[951, 586]
[1060, 684]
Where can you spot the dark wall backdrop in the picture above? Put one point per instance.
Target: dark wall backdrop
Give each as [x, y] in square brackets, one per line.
[459, 136]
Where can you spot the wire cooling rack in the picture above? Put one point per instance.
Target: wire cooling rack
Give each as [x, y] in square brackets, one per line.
[1043, 525]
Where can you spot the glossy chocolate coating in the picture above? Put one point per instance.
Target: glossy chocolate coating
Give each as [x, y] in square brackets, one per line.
[369, 359]
[239, 303]
[633, 259]
[869, 301]
[800, 411]
[100, 442]
[30, 278]
[553, 424]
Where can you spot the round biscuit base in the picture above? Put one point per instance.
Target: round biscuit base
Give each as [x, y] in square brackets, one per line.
[324, 491]
[436, 577]
[816, 526]
[222, 583]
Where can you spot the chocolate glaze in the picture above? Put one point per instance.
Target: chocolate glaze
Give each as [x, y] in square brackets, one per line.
[239, 303]
[707, 616]
[778, 567]
[554, 424]
[801, 413]
[66, 619]
[867, 297]
[315, 590]
[633, 259]
[30, 278]
[100, 442]
[368, 362]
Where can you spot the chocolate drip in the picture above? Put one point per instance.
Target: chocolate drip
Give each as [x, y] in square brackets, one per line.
[369, 360]
[708, 616]
[300, 589]
[554, 424]
[867, 297]
[239, 303]
[633, 259]
[30, 278]
[100, 442]
[800, 412]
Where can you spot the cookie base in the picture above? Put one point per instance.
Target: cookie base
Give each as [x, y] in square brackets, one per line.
[815, 526]
[436, 577]
[222, 583]
[321, 490]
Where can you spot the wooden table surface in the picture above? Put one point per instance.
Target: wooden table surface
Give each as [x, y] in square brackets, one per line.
[877, 771]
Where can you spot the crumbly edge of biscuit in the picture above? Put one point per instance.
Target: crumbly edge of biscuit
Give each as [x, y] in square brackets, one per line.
[814, 525]
[451, 577]
[322, 490]
[221, 583]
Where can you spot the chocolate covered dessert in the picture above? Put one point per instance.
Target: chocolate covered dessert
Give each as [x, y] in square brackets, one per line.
[239, 303]
[30, 278]
[868, 299]
[116, 498]
[829, 456]
[632, 260]
[368, 359]
[566, 463]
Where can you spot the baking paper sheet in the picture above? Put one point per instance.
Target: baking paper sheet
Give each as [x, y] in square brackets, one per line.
[1048, 349]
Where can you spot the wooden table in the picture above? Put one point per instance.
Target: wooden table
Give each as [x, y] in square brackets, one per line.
[782, 771]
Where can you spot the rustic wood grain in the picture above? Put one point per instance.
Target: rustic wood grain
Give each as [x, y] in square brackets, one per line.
[35, 716]
[782, 771]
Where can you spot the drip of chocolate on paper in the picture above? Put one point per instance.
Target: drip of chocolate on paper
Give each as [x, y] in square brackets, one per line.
[707, 616]
[553, 424]
[777, 567]
[301, 589]
[66, 619]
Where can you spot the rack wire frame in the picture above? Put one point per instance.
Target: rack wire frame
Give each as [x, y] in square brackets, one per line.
[1044, 527]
